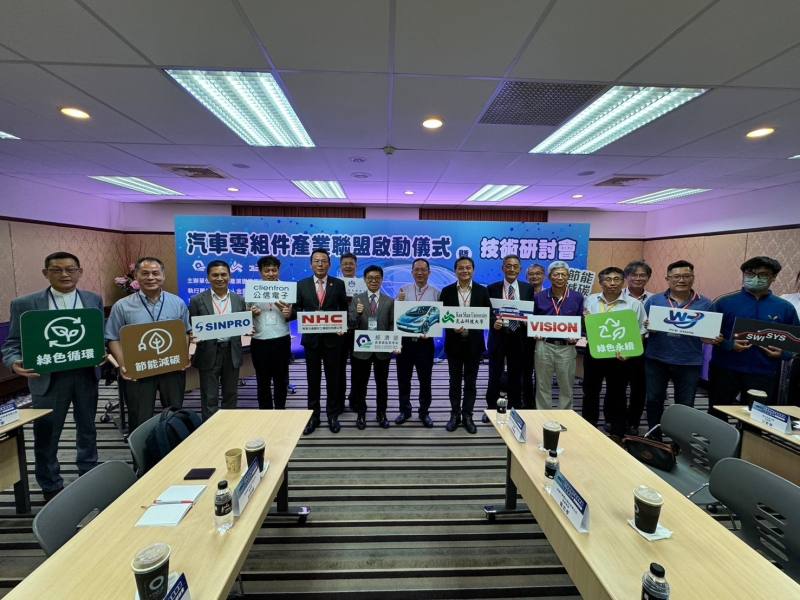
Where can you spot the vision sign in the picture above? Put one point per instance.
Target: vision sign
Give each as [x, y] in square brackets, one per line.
[322, 321]
[554, 327]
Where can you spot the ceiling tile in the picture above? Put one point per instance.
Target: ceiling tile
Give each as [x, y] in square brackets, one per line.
[397, 192]
[417, 165]
[367, 192]
[530, 169]
[780, 72]
[506, 138]
[477, 167]
[20, 156]
[298, 163]
[346, 162]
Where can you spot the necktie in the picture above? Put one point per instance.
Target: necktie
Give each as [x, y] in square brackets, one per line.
[512, 325]
[320, 292]
[373, 305]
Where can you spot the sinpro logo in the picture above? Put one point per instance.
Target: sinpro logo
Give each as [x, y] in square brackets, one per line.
[158, 340]
[683, 320]
[64, 332]
[363, 340]
[448, 317]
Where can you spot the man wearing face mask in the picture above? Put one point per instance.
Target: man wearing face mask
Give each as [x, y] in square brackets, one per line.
[736, 365]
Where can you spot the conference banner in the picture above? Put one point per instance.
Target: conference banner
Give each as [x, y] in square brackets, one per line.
[465, 317]
[681, 321]
[60, 340]
[260, 291]
[768, 333]
[417, 319]
[612, 333]
[322, 321]
[212, 327]
[154, 348]
[565, 328]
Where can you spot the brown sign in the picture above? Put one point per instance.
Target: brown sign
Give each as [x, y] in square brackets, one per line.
[153, 348]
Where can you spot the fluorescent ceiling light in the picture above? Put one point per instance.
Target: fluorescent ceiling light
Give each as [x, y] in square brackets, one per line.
[251, 104]
[7, 136]
[621, 110]
[321, 189]
[795, 156]
[495, 192]
[664, 195]
[137, 185]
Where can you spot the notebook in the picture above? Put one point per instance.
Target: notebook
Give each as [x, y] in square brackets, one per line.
[171, 506]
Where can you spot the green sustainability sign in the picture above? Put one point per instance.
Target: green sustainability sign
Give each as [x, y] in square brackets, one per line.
[59, 340]
[614, 332]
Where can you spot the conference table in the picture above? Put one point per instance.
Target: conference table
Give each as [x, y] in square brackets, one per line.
[13, 462]
[775, 451]
[95, 563]
[702, 558]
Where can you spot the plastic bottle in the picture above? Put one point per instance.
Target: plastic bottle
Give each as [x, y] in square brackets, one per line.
[654, 584]
[502, 404]
[551, 464]
[223, 508]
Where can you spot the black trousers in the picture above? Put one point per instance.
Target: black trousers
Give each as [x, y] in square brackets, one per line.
[329, 358]
[528, 381]
[506, 355]
[271, 362]
[614, 372]
[463, 363]
[635, 377]
[361, 371]
[347, 352]
[222, 374]
[140, 395]
[416, 353]
[729, 387]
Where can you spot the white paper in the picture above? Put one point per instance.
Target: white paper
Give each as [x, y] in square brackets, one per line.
[322, 321]
[570, 501]
[544, 326]
[180, 493]
[680, 321]
[418, 318]
[258, 290]
[163, 515]
[212, 327]
[376, 341]
[354, 285]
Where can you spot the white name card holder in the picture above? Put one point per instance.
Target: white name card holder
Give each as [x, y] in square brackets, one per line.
[772, 418]
[245, 488]
[179, 590]
[517, 426]
[8, 413]
[571, 503]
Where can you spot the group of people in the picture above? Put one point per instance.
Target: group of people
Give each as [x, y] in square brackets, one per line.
[523, 367]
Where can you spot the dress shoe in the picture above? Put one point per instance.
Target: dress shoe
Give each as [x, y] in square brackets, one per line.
[484, 418]
[469, 424]
[333, 425]
[49, 495]
[454, 422]
[427, 421]
[361, 421]
[401, 418]
[311, 426]
[382, 420]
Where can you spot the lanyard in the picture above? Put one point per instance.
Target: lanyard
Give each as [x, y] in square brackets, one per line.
[224, 305]
[421, 294]
[557, 305]
[148, 309]
[464, 299]
[687, 305]
[606, 306]
[53, 298]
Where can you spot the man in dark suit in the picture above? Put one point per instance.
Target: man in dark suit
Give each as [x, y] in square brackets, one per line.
[217, 361]
[57, 390]
[463, 347]
[315, 293]
[373, 311]
[507, 340]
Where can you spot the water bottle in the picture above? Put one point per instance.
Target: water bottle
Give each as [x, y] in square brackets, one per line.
[223, 508]
[502, 404]
[654, 585]
[551, 464]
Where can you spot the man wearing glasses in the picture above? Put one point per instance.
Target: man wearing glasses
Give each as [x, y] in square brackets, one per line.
[57, 390]
[737, 365]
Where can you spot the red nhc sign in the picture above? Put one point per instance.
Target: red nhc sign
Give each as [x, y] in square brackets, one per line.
[322, 321]
[554, 327]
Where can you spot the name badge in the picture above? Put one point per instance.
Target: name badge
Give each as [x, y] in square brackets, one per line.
[772, 418]
[372, 324]
[271, 317]
[570, 502]
[246, 486]
[8, 413]
[517, 426]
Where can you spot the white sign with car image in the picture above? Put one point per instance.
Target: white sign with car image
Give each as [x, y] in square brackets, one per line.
[418, 319]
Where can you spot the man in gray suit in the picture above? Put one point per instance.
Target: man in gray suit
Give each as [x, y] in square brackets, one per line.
[371, 310]
[57, 390]
[217, 361]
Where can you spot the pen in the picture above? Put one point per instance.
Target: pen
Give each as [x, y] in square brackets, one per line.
[157, 503]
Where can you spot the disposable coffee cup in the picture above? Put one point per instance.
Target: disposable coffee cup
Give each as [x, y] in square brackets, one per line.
[550, 433]
[254, 449]
[647, 504]
[233, 460]
[151, 569]
[755, 396]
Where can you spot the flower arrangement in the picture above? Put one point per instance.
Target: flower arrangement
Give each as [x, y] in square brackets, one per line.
[127, 282]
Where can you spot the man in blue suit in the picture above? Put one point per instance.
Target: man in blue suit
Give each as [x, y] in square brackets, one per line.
[57, 390]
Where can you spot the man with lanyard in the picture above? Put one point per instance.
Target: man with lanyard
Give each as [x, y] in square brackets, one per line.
[57, 390]
[507, 339]
[738, 365]
[670, 356]
[348, 265]
[637, 274]
[217, 361]
[371, 311]
[611, 369]
[464, 347]
[535, 277]
[417, 352]
[553, 355]
[149, 305]
[271, 345]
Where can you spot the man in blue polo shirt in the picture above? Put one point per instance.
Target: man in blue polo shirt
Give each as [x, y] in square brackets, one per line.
[670, 356]
[737, 366]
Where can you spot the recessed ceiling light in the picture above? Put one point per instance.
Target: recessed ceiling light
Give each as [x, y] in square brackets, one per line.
[760, 132]
[432, 123]
[321, 189]
[664, 195]
[7, 136]
[75, 113]
[137, 185]
[495, 192]
[577, 196]
[409, 192]
[251, 104]
[621, 110]
[233, 189]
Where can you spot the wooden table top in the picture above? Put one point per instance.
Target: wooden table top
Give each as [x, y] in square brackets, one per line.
[741, 413]
[96, 562]
[702, 559]
[26, 415]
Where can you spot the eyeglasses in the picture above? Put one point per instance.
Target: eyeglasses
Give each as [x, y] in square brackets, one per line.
[680, 277]
[373, 279]
[614, 280]
[68, 270]
[757, 274]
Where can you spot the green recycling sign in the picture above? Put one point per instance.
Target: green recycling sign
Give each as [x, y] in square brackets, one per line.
[614, 332]
[60, 340]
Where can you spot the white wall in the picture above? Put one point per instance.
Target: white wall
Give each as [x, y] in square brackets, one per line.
[604, 224]
[160, 216]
